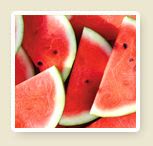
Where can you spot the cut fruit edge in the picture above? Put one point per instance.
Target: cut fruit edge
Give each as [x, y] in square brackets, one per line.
[80, 119]
[121, 111]
[72, 46]
[93, 36]
[59, 97]
[27, 61]
[129, 20]
[126, 121]
[20, 30]
[85, 117]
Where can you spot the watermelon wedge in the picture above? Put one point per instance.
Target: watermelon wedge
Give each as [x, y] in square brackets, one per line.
[89, 65]
[39, 101]
[106, 25]
[117, 92]
[23, 67]
[50, 40]
[127, 121]
[19, 29]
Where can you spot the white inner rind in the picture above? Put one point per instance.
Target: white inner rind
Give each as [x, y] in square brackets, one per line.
[19, 28]
[129, 21]
[72, 45]
[59, 98]
[123, 110]
[97, 39]
[85, 117]
[79, 119]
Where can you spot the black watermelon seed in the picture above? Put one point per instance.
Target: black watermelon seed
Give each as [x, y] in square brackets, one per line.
[125, 45]
[86, 81]
[40, 63]
[131, 59]
[55, 52]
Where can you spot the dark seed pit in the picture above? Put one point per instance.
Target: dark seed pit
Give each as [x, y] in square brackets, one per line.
[131, 59]
[86, 81]
[125, 45]
[40, 63]
[55, 52]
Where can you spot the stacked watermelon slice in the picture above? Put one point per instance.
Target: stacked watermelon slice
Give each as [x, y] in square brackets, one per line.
[75, 71]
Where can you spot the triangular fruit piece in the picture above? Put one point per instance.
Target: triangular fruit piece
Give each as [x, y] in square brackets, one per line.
[89, 65]
[50, 40]
[117, 92]
[23, 67]
[106, 25]
[19, 29]
[39, 101]
[127, 121]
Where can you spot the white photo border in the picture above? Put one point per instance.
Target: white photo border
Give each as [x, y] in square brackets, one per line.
[75, 129]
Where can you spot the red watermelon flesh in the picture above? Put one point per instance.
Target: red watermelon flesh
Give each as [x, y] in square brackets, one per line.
[23, 67]
[106, 25]
[39, 101]
[90, 62]
[117, 92]
[127, 121]
[49, 40]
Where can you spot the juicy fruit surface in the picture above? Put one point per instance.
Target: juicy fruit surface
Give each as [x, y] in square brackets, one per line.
[118, 86]
[23, 67]
[85, 77]
[31, 109]
[36, 101]
[48, 42]
[128, 121]
[106, 25]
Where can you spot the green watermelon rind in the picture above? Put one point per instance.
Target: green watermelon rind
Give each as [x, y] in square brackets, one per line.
[59, 97]
[72, 46]
[27, 61]
[77, 120]
[97, 38]
[123, 110]
[20, 31]
[85, 117]
[129, 20]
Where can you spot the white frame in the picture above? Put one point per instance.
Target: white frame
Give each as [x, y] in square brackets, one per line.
[75, 129]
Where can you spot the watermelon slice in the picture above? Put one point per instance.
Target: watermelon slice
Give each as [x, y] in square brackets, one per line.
[127, 121]
[90, 62]
[23, 67]
[117, 92]
[50, 40]
[106, 25]
[39, 101]
[19, 29]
